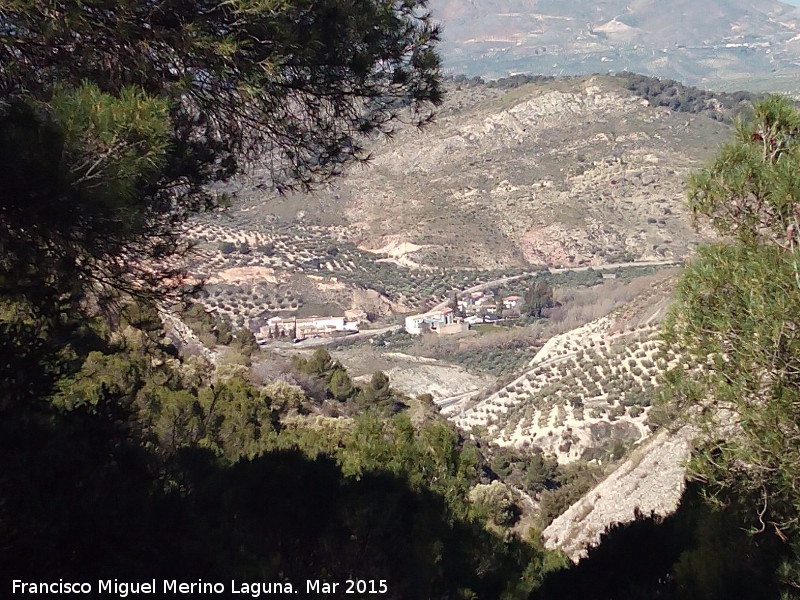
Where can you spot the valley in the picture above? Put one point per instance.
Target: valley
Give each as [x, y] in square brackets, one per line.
[574, 182]
[325, 292]
[702, 43]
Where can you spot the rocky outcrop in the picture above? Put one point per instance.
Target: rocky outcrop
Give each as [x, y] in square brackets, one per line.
[649, 483]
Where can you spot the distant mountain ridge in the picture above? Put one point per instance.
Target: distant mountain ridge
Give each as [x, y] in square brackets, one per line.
[695, 41]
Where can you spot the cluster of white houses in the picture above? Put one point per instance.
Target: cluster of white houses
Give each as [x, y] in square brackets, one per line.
[485, 302]
[474, 308]
[293, 327]
[439, 321]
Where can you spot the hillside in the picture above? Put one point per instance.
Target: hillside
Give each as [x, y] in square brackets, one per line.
[649, 483]
[205, 381]
[698, 42]
[561, 172]
[510, 181]
[587, 393]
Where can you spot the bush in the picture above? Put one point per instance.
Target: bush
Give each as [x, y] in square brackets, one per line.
[497, 502]
[577, 479]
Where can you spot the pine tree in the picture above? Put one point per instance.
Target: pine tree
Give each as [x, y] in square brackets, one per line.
[736, 322]
[109, 143]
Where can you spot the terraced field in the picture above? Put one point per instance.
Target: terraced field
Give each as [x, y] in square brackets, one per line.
[252, 274]
[586, 394]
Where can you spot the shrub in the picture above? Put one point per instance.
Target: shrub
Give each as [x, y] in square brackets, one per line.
[497, 502]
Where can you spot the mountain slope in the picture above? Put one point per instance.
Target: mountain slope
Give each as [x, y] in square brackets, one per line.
[568, 171]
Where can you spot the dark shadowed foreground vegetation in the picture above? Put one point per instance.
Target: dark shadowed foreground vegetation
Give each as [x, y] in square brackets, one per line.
[124, 459]
[136, 466]
[697, 553]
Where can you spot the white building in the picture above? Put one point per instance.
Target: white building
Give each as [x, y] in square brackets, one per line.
[307, 327]
[429, 321]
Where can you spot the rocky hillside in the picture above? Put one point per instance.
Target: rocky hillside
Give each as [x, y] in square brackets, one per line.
[565, 172]
[649, 483]
[569, 171]
[696, 42]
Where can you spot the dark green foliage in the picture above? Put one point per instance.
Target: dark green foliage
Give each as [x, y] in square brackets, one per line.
[537, 297]
[74, 173]
[541, 473]
[378, 395]
[497, 503]
[751, 189]
[737, 309]
[463, 80]
[244, 341]
[532, 471]
[572, 482]
[341, 386]
[359, 62]
[210, 328]
[517, 80]
[109, 144]
[127, 461]
[280, 516]
[144, 471]
[698, 553]
[505, 359]
[721, 106]
[320, 364]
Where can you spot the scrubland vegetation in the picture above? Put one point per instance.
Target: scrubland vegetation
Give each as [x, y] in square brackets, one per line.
[721, 106]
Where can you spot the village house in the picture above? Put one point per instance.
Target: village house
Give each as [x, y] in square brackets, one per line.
[429, 321]
[487, 307]
[308, 327]
[469, 304]
[512, 302]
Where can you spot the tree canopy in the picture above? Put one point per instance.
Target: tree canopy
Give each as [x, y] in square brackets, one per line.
[116, 116]
[736, 322]
[129, 458]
